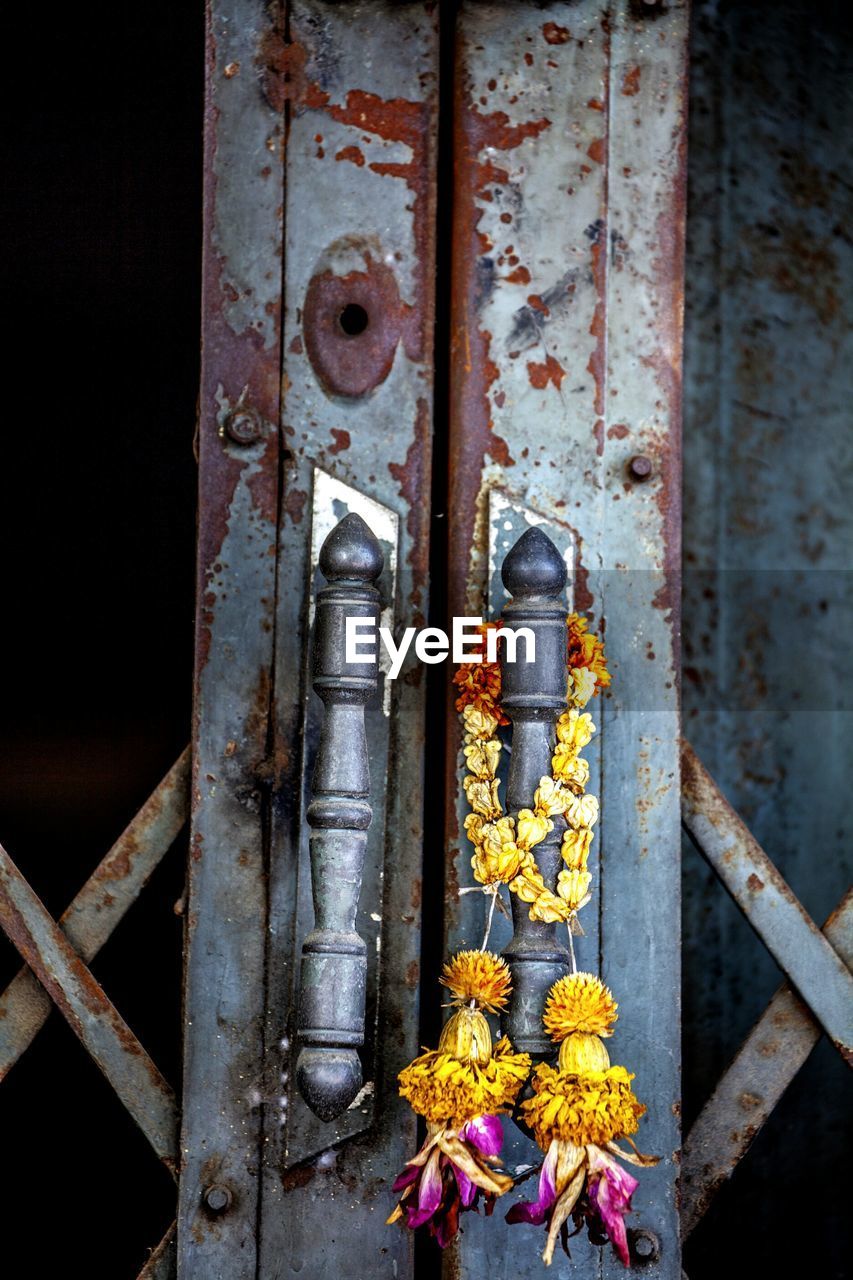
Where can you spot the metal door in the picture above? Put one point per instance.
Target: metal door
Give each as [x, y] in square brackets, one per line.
[443, 272]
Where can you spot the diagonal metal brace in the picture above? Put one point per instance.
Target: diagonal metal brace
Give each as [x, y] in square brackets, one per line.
[790, 935]
[93, 1019]
[101, 904]
[749, 1089]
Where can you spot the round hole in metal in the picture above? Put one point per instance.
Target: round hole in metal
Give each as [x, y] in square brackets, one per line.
[353, 320]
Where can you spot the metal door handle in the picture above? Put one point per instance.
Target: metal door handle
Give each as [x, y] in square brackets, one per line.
[334, 956]
[533, 696]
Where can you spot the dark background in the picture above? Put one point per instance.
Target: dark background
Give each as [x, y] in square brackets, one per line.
[101, 224]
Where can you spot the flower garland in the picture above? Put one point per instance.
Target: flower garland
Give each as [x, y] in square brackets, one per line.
[503, 847]
[578, 1109]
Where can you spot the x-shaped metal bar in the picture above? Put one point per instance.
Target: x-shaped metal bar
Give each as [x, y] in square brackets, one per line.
[779, 1043]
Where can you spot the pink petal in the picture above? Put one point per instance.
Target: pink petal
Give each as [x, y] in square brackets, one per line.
[610, 1188]
[406, 1177]
[429, 1193]
[467, 1189]
[485, 1133]
[536, 1211]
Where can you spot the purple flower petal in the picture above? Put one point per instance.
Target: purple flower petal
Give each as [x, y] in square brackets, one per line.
[610, 1188]
[429, 1193]
[485, 1133]
[467, 1189]
[537, 1211]
[406, 1177]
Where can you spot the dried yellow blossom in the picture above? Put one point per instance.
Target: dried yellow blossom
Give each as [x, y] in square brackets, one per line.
[586, 651]
[581, 686]
[482, 757]
[581, 1052]
[575, 848]
[478, 723]
[569, 767]
[532, 828]
[591, 1107]
[483, 796]
[579, 1002]
[582, 811]
[575, 729]
[467, 1036]
[551, 797]
[573, 888]
[480, 976]
[449, 1092]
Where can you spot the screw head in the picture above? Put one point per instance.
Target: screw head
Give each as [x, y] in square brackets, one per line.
[243, 426]
[644, 1245]
[217, 1198]
[640, 467]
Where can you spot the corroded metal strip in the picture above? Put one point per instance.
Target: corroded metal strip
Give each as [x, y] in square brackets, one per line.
[111, 889]
[333, 985]
[162, 1265]
[235, 606]
[90, 1015]
[361, 91]
[566, 331]
[790, 935]
[764, 1066]
[533, 695]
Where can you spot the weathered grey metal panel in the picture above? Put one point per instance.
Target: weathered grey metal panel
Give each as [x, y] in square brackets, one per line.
[112, 888]
[239, 463]
[567, 346]
[361, 103]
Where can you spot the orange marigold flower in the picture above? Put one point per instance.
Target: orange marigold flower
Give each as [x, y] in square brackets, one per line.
[479, 683]
[586, 650]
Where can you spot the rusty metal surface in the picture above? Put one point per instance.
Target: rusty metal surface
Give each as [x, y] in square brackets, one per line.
[111, 889]
[238, 505]
[764, 1066]
[566, 346]
[358, 88]
[796, 944]
[90, 1015]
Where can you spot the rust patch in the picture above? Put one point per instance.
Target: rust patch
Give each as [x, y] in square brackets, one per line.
[413, 478]
[631, 82]
[351, 362]
[618, 431]
[354, 155]
[754, 883]
[549, 371]
[555, 34]
[294, 504]
[342, 440]
[519, 276]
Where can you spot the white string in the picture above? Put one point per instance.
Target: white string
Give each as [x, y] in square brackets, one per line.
[489, 919]
[571, 947]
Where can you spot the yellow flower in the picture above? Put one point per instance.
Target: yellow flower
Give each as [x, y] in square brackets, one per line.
[582, 1052]
[575, 729]
[475, 824]
[483, 796]
[590, 1107]
[551, 797]
[579, 1002]
[575, 848]
[585, 650]
[573, 888]
[480, 976]
[532, 828]
[581, 686]
[478, 723]
[450, 1092]
[582, 811]
[569, 767]
[482, 757]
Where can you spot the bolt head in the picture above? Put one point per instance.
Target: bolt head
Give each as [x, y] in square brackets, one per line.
[644, 1246]
[242, 426]
[640, 467]
[217, 1198]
